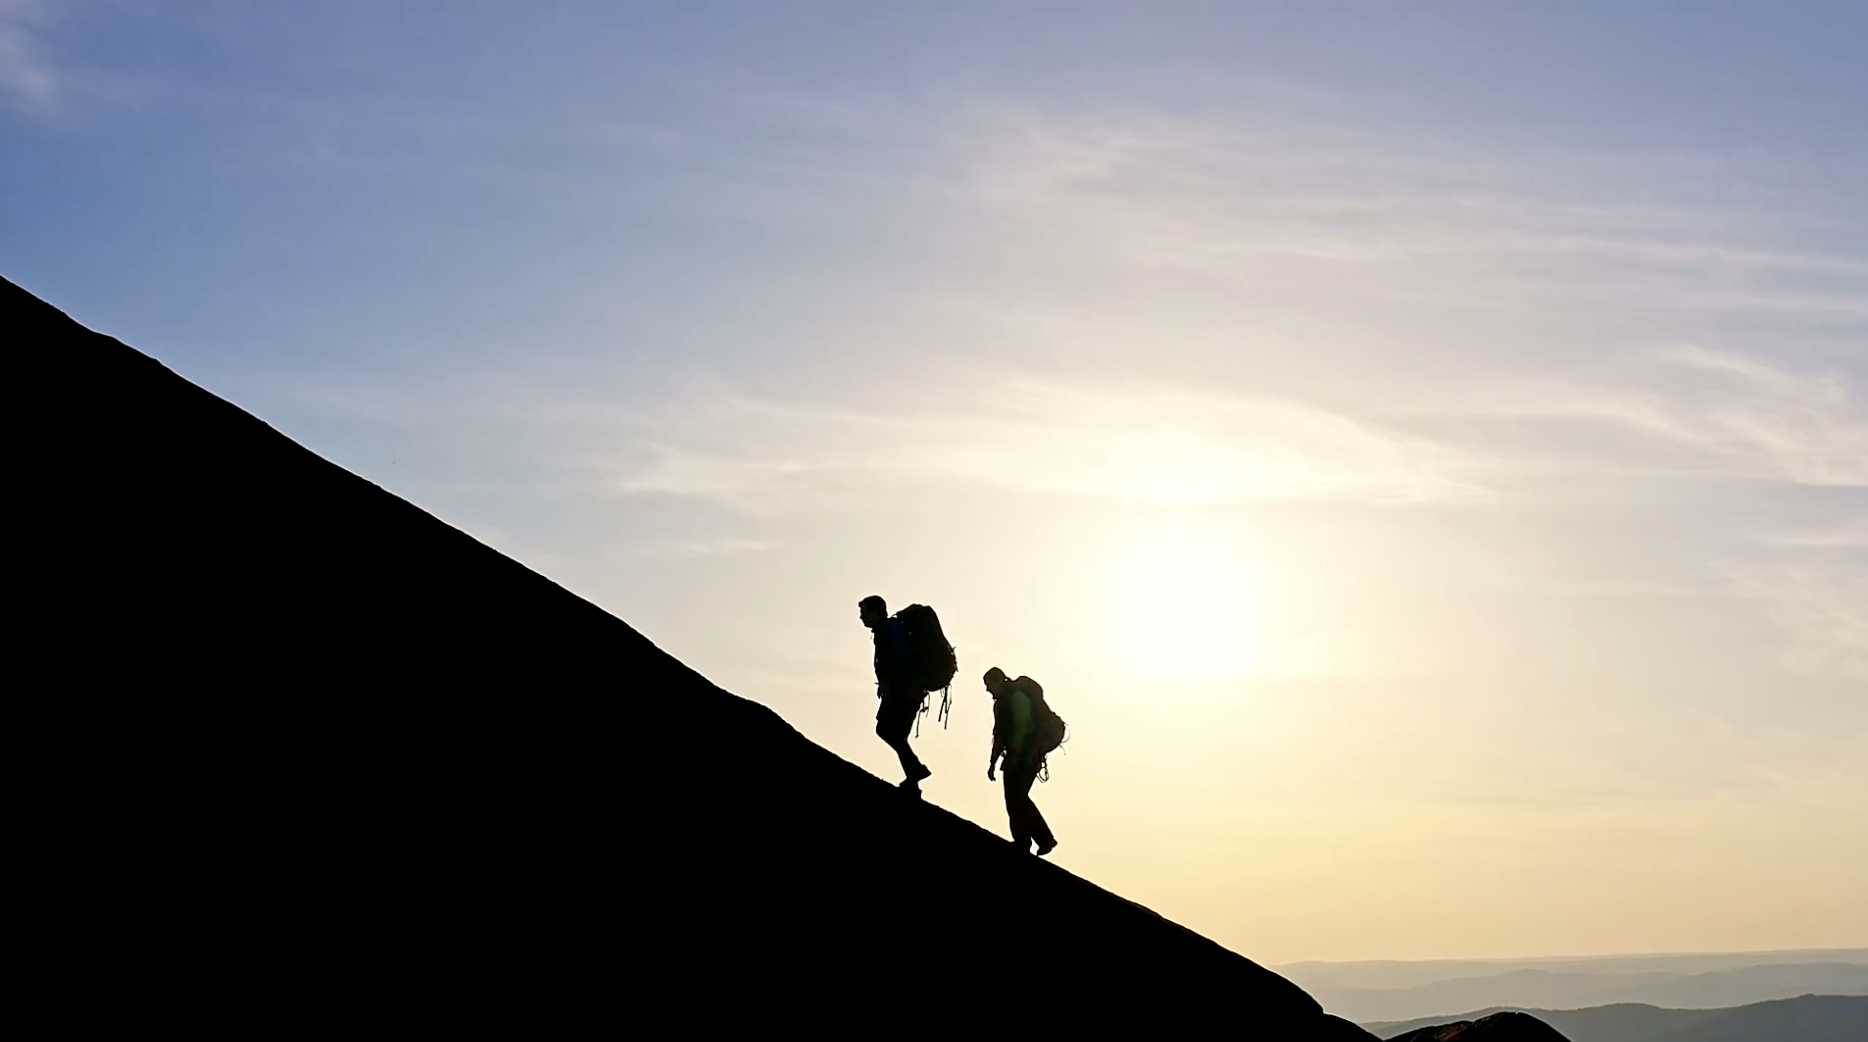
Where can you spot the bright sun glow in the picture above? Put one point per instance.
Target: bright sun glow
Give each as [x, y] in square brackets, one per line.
[1183, 602]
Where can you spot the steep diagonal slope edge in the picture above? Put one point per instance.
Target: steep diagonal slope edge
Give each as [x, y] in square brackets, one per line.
[332, 746]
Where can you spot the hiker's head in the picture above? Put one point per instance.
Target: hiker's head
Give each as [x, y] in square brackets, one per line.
[873, 610]
[995, 681]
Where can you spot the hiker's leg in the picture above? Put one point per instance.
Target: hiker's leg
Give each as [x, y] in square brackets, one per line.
[894, 720]
[911, 764]
[1014, 809]
[1040, 831]
[1031, 820]
[1019, 781]
[885, 730]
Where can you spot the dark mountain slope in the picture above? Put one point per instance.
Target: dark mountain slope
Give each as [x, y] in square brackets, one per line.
[319, 757]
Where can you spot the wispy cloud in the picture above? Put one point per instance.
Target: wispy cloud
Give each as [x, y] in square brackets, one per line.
[1227, 196]
[1823, 613]
[1814, 584]
[1849, 535]
[1161, 446]
[1813, 429]
[1722, 413]
[677, 471]
[27, 77]
[694, 548]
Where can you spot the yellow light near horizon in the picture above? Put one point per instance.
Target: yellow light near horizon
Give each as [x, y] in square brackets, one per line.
[1183, 602]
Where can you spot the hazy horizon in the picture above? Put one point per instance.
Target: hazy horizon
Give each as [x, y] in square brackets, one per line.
[1423, 452]
[1371, 992]
[1767, 955]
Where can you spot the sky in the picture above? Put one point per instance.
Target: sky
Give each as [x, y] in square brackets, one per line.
[1422, 449]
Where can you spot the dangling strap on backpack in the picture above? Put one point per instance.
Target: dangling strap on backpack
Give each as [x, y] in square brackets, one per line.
[946, 709]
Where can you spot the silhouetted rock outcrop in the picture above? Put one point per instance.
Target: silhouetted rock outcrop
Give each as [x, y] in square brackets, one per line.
[334, 760]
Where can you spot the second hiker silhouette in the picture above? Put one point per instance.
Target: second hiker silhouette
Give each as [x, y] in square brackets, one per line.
[1024, 730]
[896, 686]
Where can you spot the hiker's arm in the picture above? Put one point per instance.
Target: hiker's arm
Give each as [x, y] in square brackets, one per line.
[998, 737]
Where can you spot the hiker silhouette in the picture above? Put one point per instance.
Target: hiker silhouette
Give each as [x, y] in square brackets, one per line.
[1018, 711]
[896, 687]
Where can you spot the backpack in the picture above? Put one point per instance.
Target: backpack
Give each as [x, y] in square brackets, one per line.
[1048, 729]
[931, 661]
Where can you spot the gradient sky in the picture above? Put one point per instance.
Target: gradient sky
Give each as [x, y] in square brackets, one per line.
[1422, 448]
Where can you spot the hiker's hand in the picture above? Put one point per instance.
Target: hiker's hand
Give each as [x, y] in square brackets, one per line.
[989, 768]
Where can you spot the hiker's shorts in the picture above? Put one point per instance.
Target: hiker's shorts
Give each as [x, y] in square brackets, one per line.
[895, 717]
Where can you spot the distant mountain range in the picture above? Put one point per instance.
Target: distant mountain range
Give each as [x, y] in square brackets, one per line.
[1389, 992]
[1807, 1018]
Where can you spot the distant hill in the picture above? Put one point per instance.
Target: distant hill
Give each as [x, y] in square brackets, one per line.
[1806, 1018]
[1622, 1022]
[1564, 989]
[1508, 1026]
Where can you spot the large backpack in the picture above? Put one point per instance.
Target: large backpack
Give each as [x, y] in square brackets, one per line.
[931, 661]
[1049, 729]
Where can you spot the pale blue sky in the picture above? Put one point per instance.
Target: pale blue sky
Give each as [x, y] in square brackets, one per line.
[1426, 444]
